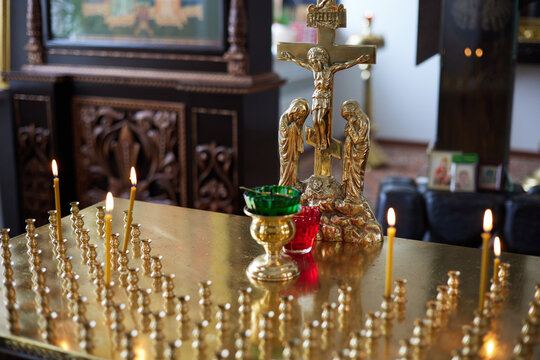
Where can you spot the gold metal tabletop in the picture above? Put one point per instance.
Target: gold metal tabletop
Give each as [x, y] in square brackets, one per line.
[198, 246]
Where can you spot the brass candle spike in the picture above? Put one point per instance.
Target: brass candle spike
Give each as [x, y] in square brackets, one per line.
[39, 279]
[86, 336]
[481, 323]
[537, 293]
[146, 257]
[127, 345]
[107, 302]
[123, 268]
[420, 335]
[221, 355]
[92, 256]
[199, 334]
[266, 334]
[72, 293]
[372, 326]
[244, 308]
[344, 298]
[223, 326]
[4, 236]
[115, 252]
[99, 282]
[387, 309]
[79, 310]
[406, 351]
[443, 298]
[433, 315]
[133, 286]
[117, 324]
[241, 344]
[156, 274]
[355, 346]
[522, 351]
[74, 210]
[42, 301]
[504, 273]
[157, 335]
[100, 220]
[529, 332]
[204, 297]
[125, 218]
[291, 350]
[285, 308]
[495, 291]
[400, 291]
[53, 236]
[172, 352]
[85, 241]
[47, 327]
[169, 297]
[343, 354]
[182, 316]
[144, 309]
[471, 341]
[328, 315]
[12, 315]
[79, 226]
[488, 306]
[136, 240]
[534, 312]
[310, 336]
[30, 229]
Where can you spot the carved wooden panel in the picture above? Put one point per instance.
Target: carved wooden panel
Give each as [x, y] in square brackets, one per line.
[215, 159]
[111, 135]
[34, 150]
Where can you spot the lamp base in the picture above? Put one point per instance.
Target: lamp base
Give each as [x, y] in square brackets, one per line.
[263, 268]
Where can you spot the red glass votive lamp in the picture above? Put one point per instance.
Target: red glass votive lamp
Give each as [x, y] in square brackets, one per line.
[307, 225]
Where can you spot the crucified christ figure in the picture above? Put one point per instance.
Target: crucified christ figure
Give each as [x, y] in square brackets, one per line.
[318, 61]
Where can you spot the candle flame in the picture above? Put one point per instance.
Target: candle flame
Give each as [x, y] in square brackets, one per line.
[54, 168]
[497, 246]
[488, 221]
[133, 176]
[490, 348]
[109, 202]
[391, 217]
[368, 15]
[64, 345]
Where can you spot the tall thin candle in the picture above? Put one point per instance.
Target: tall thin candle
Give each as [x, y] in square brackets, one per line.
[56, 186]
[486, 236]
[497, 260]
[391, 232]
[109, 206]
[133, 178]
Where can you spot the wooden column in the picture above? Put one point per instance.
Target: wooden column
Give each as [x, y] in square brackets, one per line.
[477, 78]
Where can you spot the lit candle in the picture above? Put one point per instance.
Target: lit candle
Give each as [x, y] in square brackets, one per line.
[497, 260]
[56, 186]
[133, 178]
[391, 232]
[486, 236]
[109, 206]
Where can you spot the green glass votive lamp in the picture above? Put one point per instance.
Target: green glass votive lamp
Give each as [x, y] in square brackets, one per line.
[272, 209]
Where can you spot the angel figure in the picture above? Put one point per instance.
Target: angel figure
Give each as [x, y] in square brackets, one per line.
[355, 149]
[291, 141]
[318, 61]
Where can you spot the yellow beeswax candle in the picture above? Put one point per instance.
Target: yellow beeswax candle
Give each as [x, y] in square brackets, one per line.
[109, 206]
[56, 186]
[486, 236]
[133, 178]
[391, 232]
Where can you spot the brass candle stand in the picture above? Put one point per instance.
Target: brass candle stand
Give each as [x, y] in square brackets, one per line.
[272, 232]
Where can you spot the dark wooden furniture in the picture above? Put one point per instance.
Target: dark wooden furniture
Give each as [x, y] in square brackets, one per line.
[195, 125]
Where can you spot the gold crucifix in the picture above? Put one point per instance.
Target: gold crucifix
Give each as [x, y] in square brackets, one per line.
[324, 59]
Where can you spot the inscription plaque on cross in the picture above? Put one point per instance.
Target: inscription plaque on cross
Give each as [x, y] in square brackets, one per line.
[324, 59]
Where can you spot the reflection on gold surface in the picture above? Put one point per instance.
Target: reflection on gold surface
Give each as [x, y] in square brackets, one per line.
[64, 344]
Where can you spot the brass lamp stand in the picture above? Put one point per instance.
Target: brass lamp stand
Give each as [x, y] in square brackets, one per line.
[377, 158]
